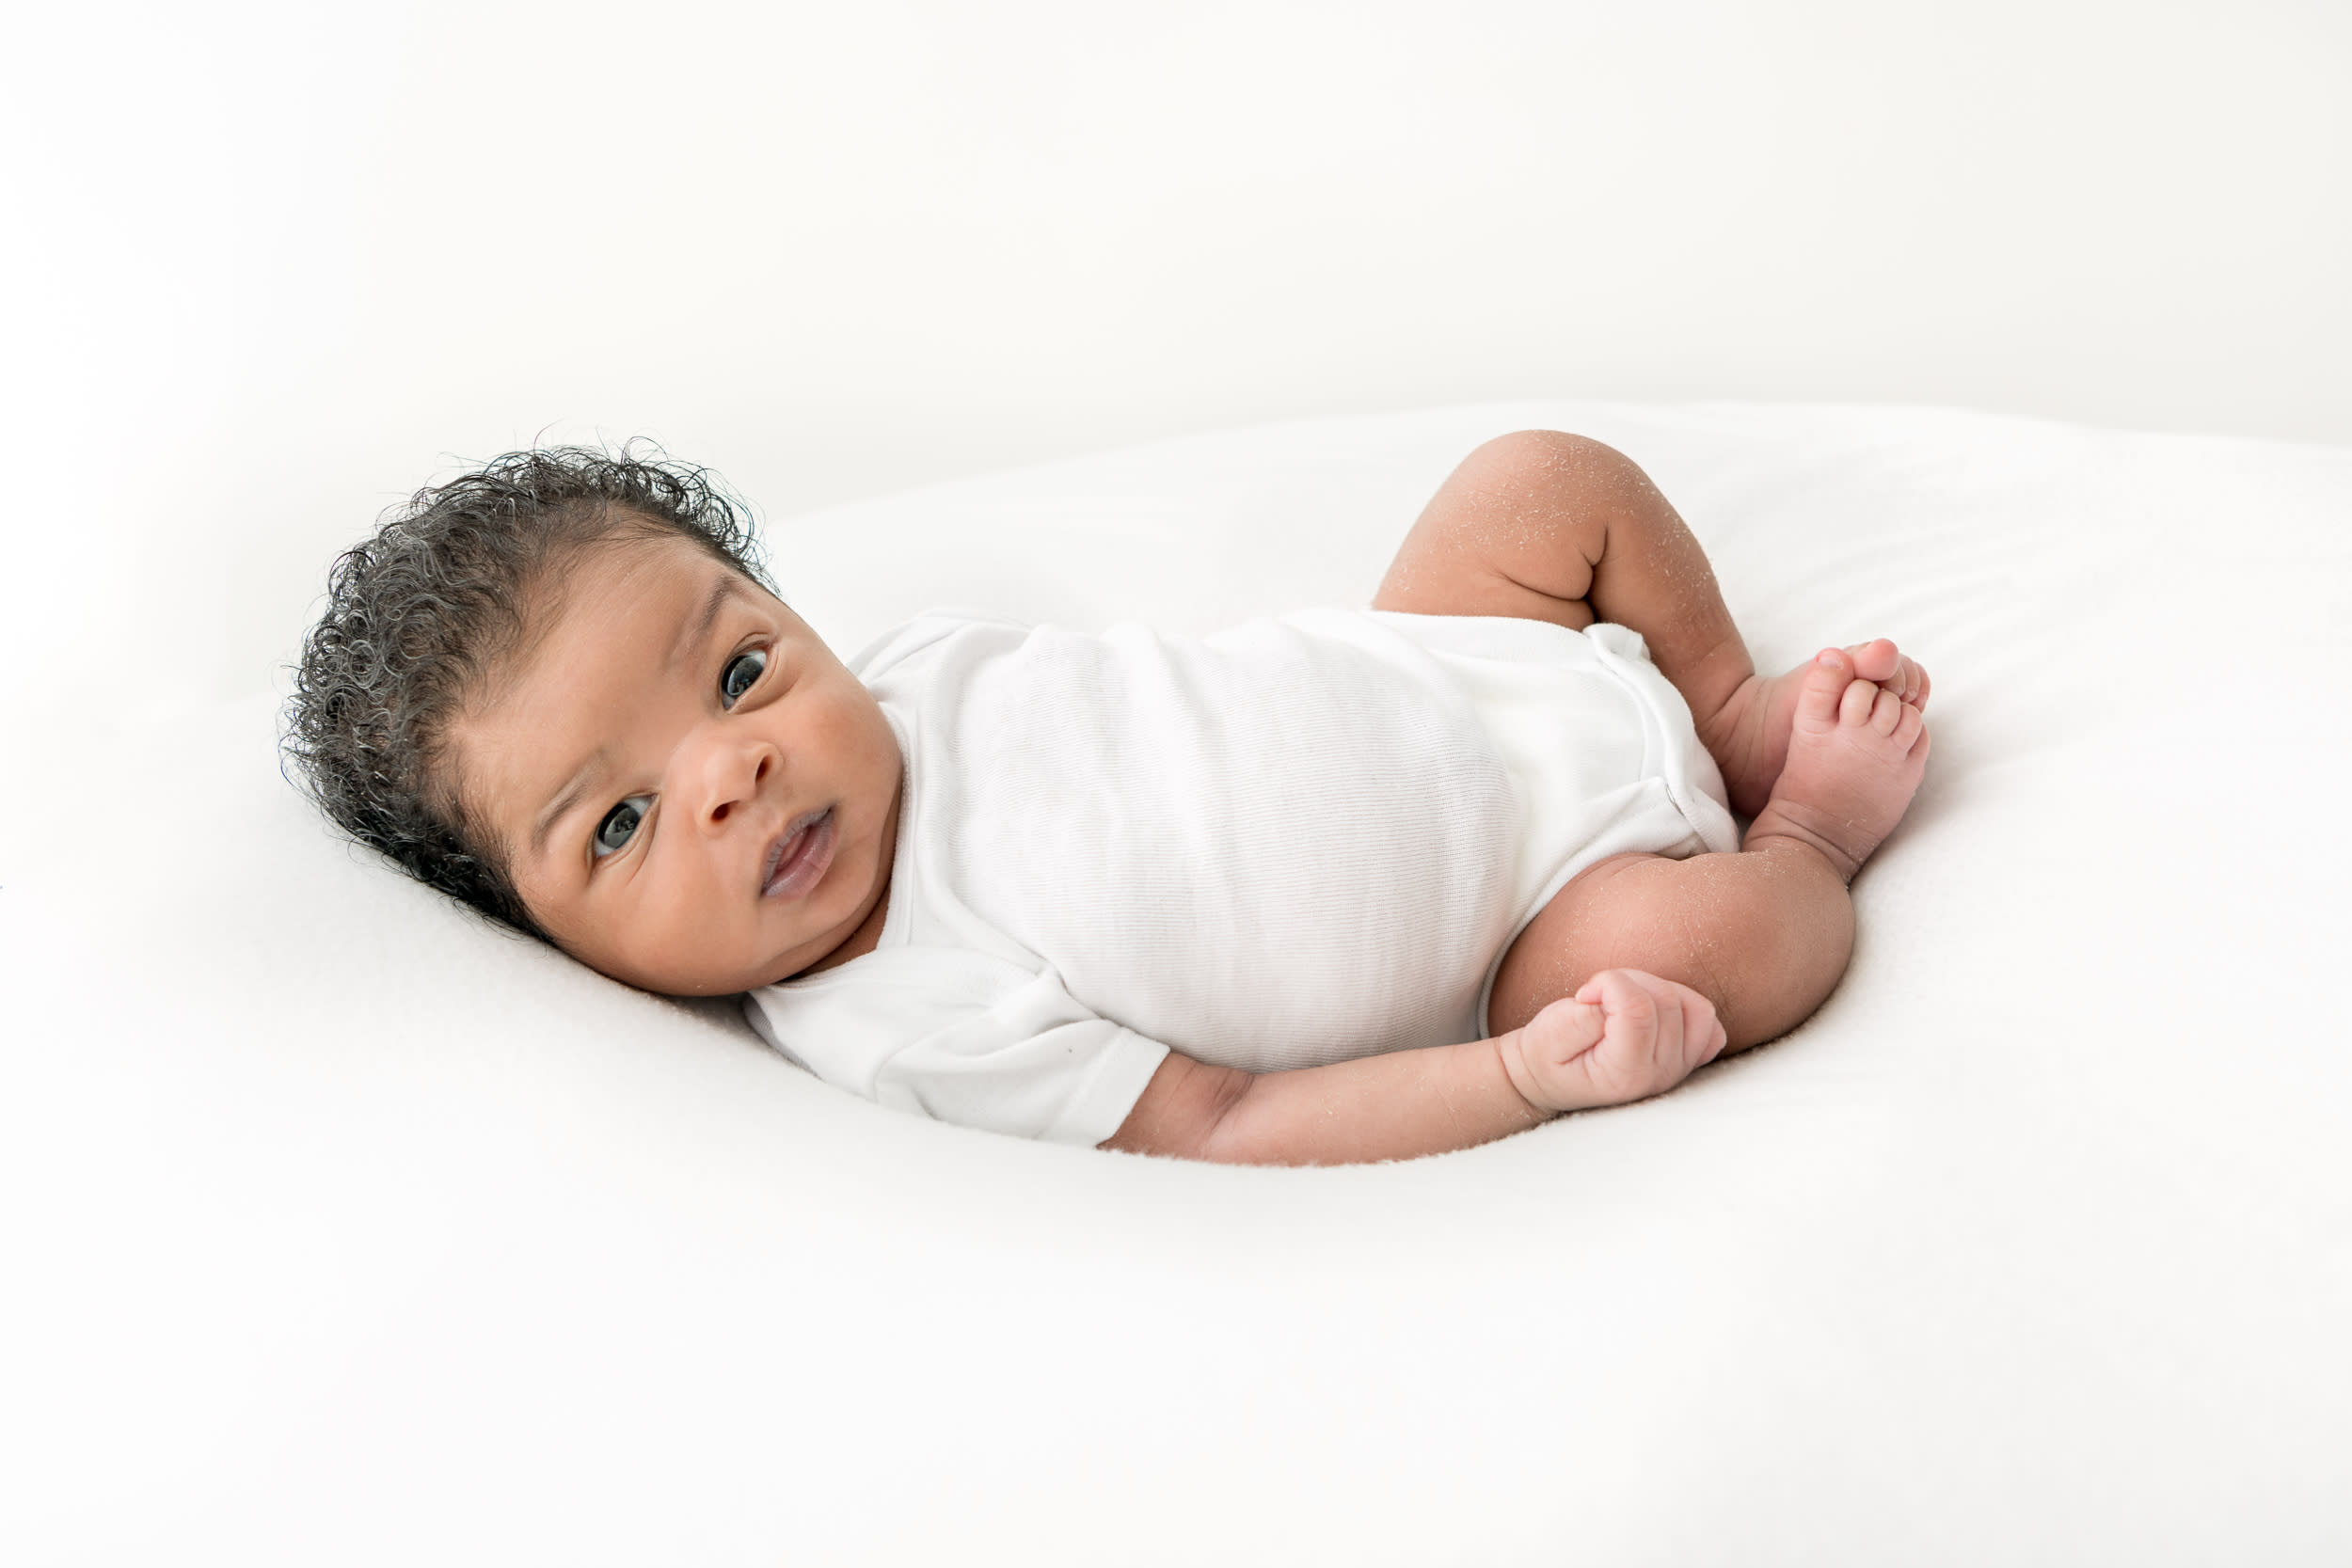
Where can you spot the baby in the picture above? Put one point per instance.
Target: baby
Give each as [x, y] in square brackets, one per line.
[1341, 885]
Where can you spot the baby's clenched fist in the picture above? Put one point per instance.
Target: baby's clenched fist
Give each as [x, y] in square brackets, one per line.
[1625, 1035]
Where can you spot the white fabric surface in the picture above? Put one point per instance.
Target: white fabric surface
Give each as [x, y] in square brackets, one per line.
[342, 1229]
[1296, 841]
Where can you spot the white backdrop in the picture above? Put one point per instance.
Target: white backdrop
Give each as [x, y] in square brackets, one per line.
[271, 266]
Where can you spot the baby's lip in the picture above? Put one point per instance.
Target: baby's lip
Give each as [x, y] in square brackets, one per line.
[799, 856]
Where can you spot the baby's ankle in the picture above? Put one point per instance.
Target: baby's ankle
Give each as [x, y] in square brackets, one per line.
[1720, 692]
[1775, 832]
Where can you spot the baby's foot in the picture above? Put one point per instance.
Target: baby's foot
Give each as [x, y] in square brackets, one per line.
[1623, 1037]
[1749, 735]
[1856, 752]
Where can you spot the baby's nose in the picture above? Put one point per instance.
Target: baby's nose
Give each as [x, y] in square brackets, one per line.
[732, 777]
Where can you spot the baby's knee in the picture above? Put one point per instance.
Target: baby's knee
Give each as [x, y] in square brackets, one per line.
[1770, 936]
[1553, 455]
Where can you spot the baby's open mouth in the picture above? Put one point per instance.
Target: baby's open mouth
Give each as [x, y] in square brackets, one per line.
[798, 861]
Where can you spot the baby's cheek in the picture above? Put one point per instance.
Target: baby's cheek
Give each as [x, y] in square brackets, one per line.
[661, 933]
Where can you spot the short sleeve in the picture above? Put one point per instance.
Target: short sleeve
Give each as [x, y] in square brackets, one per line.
[963, 1037]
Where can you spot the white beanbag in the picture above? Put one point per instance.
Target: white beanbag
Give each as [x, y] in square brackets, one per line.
[342, 1228]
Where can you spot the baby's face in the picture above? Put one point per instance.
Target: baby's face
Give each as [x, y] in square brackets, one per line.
[694, 795]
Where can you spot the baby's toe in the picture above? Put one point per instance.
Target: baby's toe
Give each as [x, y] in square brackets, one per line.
[1876, 660]
[1887, 712]
[1856, 702]
[1826, 680]
[1880, 660]
[1909, 682]
[1912, 733]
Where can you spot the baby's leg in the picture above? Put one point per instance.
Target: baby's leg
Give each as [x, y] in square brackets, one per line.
[1762, 934]
[1549, 526]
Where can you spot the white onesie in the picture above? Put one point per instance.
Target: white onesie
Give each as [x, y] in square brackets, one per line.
[1298, 841]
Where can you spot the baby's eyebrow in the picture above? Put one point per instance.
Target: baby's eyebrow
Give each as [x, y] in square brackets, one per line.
[570, 796]
[691, 632]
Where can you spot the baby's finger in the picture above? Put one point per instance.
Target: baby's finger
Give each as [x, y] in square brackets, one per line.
[1624, 990]
[1606, 989]
[1571, 1027]
[1701, 1029]
[1627, 994]
[1666, 1046]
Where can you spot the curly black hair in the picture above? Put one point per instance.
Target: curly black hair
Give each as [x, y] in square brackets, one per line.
[420, 614]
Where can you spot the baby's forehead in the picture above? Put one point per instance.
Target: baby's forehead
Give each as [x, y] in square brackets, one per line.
[629, 619]
[638, 555]
[633, 577]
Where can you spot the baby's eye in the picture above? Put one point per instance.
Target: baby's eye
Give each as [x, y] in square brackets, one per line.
[741, 671]
[619, 824]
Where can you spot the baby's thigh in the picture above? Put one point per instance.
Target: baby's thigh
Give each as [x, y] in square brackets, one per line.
[1583, 931]
[1763, 937]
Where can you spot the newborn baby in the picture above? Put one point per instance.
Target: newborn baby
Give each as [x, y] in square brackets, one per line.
[1341, 885]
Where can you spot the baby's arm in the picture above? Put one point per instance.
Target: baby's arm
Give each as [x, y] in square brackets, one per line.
[1623, 1037]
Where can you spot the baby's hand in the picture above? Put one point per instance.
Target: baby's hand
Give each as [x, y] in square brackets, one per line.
[1624, 1037]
